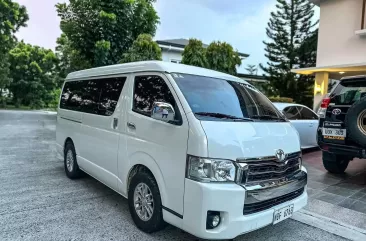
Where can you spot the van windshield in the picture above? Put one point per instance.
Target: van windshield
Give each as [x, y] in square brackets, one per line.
[214, 98]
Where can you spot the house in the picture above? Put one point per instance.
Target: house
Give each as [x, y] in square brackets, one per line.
[341, 43]
[172, 49]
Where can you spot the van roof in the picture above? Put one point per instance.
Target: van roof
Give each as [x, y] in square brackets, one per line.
[144, 66]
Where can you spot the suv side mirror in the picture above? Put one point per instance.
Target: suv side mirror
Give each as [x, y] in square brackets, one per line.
[163, 111]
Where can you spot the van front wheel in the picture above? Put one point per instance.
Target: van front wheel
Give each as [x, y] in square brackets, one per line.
[144, 202]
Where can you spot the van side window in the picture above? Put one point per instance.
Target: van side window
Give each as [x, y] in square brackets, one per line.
[71, 98]
[91, 93]
[149, 89]
[110, 91]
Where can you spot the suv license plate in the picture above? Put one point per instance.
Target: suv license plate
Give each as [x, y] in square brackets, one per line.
[335, 134]
[283, 213]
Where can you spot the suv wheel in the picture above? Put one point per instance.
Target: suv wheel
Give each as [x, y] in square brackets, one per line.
[144, 202]
[335, 163]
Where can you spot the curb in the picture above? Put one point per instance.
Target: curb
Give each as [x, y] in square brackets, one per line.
[330, 225]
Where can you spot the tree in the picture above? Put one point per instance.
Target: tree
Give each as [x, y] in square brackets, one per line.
[99, 32]
[194, 54]
[12, 18]
[70, 59]
[288, 27]
[222, 57]
[143, 48]
[33, 71]
[252, 69]
[307, 53]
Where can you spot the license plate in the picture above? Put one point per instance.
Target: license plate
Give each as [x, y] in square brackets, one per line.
[283, 213]
[334, 134]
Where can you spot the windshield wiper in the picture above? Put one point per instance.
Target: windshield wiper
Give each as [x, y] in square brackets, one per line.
[222, 116]
[267, 117]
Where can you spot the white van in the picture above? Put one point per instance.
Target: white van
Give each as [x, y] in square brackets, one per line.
[199, 149]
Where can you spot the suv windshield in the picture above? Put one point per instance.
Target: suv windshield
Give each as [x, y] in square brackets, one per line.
[349, 91]
[215, 98]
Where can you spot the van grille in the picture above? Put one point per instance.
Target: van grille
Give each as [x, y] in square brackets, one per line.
[270, 169]
[260, 206]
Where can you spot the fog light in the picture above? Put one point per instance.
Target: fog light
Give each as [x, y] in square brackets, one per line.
[213, 219]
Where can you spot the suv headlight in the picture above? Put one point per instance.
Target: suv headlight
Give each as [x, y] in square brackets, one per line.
[210, 170]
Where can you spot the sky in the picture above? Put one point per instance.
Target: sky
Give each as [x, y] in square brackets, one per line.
[241, 23]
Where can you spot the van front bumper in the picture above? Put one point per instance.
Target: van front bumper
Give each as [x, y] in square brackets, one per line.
[229, 200]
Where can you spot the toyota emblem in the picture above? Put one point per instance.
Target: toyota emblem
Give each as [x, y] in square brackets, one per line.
[280, 154]
[336, 111]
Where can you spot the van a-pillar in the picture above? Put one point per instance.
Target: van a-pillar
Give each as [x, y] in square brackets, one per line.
[320, 87]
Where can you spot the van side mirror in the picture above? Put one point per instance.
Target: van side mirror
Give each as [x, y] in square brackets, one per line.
[163, 111]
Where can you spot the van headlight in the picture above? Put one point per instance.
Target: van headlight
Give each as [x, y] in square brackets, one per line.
[210, 170]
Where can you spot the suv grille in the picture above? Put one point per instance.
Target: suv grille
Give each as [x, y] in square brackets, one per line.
[270, 169]
[260, 206]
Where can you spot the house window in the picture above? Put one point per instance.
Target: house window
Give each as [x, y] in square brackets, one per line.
[176, 61]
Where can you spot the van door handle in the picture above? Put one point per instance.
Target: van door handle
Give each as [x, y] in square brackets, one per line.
[131, 126]
[311, 124]
[115, 123]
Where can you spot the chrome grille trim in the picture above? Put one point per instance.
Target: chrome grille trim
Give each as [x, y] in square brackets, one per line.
[268, 169]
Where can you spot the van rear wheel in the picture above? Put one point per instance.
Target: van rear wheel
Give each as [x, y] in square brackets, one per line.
[72, 169]
[144, 202]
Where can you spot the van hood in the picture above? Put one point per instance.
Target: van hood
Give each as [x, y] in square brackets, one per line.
[232, 140]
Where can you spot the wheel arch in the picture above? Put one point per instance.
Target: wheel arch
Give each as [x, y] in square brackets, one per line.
[141, 161]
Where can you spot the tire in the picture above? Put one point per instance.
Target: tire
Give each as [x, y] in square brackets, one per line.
[72, 169]
[354, 132]
[333, 163]
[155, 222]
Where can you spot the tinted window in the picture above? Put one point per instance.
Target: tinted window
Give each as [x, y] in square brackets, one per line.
[214, 95]
[71, 97]
[110, 92]
[292, 113]
[349, 91]
[91, 93]
[307, 114]
[99, 96]
[149, 89]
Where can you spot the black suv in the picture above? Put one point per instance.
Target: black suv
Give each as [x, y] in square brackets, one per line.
[342, 125]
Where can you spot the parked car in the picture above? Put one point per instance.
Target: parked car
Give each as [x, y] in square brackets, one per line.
[342, 127]
[199, 149]
[304, 120]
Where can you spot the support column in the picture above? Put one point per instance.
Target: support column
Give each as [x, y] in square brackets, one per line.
[320, 87]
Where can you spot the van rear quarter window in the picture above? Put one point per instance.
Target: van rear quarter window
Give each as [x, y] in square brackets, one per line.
[97, 96]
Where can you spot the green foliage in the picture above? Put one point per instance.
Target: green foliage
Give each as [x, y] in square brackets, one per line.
[252, 69]
[143, 48]
[33, 70]
[99, 32]
[307, 58]
[281, 99]
[55, 98]
[222, 57]
[287, 29]
[12, 17]
[70, 59]
[195, 54]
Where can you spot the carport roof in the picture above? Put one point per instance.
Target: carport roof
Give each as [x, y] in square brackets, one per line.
[335, 71]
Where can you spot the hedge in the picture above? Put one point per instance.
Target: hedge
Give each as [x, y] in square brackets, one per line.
[281, 99]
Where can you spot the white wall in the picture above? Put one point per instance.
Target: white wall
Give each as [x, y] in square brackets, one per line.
[168, 55]
[338, 44]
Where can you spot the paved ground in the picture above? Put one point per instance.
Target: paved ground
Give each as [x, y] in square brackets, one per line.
[336, 195]
[38, 202]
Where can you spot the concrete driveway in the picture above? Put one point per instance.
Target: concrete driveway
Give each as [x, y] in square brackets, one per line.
[38, 202]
